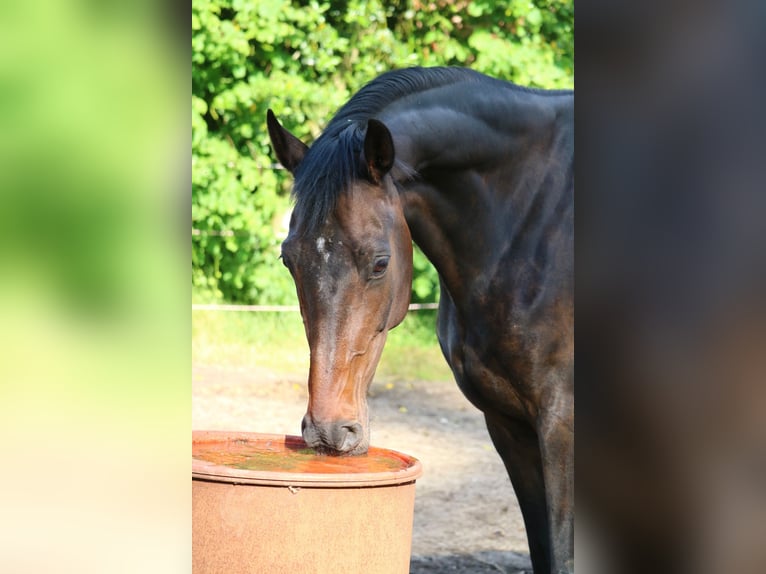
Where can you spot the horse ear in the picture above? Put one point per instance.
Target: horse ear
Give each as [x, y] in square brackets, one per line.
[289, 149]
[378, 149]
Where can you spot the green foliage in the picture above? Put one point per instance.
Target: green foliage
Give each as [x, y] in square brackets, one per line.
[304, 59]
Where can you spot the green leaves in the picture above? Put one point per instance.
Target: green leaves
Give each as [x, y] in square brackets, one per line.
[425, 280]
[304, 59]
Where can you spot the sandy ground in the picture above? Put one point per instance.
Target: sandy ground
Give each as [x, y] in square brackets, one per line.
[467, 519]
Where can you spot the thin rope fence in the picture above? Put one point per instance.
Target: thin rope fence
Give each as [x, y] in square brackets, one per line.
[283, 308]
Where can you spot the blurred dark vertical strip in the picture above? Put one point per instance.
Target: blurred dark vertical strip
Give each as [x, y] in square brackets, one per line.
[671, 286]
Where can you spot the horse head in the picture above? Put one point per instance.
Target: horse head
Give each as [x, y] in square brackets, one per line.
[349, 251]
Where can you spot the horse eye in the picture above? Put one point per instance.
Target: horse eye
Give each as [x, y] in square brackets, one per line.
[380, 266]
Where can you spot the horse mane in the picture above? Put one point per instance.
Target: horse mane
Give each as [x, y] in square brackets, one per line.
[334, 160]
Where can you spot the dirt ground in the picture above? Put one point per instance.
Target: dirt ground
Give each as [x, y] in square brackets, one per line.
[466, 516]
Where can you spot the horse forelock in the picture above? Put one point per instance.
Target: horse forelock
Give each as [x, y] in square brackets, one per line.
[329, 168]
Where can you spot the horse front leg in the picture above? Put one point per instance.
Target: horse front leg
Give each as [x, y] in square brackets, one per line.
[556, 435]
[516, 443]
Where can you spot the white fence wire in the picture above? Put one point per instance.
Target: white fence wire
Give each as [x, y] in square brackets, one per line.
[283, 308]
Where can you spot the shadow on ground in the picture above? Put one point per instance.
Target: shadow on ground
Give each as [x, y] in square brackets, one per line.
[488, 562]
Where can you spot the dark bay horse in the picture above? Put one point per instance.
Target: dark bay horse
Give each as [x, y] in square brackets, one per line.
[479, 173]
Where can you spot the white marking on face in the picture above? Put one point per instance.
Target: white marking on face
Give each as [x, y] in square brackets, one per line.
[321, 248]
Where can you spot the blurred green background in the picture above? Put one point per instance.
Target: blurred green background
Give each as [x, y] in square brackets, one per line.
[94, 305]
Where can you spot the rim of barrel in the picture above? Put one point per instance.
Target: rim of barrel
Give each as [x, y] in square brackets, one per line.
[212, 472]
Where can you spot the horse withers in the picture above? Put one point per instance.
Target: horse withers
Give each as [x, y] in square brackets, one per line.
[479, 173]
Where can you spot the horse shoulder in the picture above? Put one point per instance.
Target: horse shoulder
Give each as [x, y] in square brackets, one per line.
[510, 348]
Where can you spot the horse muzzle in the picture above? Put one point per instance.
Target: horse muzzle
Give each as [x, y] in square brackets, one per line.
[334, 437]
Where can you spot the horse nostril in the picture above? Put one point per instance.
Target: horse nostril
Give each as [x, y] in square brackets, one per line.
[352, 436]
[354, 428]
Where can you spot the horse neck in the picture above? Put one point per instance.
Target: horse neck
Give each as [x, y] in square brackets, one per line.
[493, 171]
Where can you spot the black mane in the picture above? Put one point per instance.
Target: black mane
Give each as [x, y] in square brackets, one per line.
[334, 160]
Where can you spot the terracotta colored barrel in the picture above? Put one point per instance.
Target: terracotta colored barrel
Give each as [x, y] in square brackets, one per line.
[266, 504]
